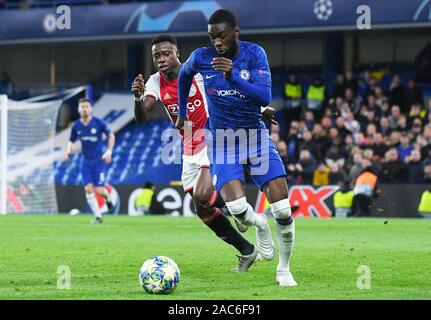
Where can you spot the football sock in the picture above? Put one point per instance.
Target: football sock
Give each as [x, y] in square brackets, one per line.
[285, 232]
[243, 212]
[222, 227]
[105, 195]
[94, 205]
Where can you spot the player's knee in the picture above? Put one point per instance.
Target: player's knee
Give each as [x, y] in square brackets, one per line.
[202, 196]
[89, 188]
[238, 207]
[100, 190]
[282, 212]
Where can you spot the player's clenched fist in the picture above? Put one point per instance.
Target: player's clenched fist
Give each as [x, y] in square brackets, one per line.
[224, 65]
[138, 86]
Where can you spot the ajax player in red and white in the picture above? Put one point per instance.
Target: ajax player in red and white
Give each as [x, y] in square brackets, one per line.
[196, 177]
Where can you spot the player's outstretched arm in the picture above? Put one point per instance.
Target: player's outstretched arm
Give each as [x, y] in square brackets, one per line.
[143, 105]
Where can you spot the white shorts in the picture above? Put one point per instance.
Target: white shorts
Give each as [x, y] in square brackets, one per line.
[191, 166]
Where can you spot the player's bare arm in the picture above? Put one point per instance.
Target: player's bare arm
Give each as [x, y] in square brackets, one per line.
[107, 156]
[143, 105]
[69, 150]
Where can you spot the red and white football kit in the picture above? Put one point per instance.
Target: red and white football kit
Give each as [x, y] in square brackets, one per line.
[195, 153]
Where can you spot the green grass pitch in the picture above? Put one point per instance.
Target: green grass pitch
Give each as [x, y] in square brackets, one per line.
[105, 259]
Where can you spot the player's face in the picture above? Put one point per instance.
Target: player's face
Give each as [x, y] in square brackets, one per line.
[84, 109]
[224, 38]
[165, 57]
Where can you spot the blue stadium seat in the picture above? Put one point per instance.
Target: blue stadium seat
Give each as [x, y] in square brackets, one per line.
[137, 153]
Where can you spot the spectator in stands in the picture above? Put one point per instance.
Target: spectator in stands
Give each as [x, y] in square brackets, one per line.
[357, 166]
[334, 136]
[360, 140]
[293, 97]
[405, 148]
[311, 145]
[369, 154]
[292, 169]
[316, 95]
[144, 201]
[307, 164]
[371, 131]
[425, 143]
[380, 96]
[343, 201]
[427, 172]
[393, 168]
[366, 188]
[352, 124]
[416, 111]
[395, 117]
[326, 123]
[364, 86]
[384, 126]
[275, 137]
[335, 155]
[423, 64]
[293, 142]
[394, 139]
[337, 175]
[424, 208]
[412, 94]
[309, 119]
[415, 167]
[367, 118]
[351, 82]
[352, 101]
[282, 151]
[396, 93]
[321, 175]
[339, 124]
[384, 109]
[378, 145]
[7, 86]
[339, 87]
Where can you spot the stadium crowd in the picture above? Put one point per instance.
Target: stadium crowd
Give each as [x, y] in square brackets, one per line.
[331, 137]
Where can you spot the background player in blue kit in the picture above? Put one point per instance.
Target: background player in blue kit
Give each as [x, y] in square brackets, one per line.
[89, 130]
[237, 83]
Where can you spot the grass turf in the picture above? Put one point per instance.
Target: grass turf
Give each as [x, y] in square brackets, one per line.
[105, 259]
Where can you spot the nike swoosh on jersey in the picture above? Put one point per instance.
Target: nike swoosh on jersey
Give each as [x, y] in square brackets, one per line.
[209, 77]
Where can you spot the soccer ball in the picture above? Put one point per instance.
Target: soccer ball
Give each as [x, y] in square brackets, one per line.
[74, 212]
[159, 274]
[323, 9]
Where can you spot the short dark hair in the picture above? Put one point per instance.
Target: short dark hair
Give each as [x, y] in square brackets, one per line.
[164, 37]
[82, 100]
[223, 16]
[148, 185]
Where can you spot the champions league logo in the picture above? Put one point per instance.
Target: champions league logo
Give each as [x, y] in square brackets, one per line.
[323, 9]
[422, 8]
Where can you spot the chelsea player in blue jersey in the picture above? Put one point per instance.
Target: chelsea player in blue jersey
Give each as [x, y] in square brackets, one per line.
[237, 82]
[89, 131]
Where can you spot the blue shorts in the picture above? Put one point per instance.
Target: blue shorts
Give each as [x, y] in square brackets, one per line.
[93, 171]
[263, 165]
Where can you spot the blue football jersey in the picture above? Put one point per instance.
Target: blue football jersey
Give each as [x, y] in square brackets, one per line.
[90, 136]
[228, 107]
